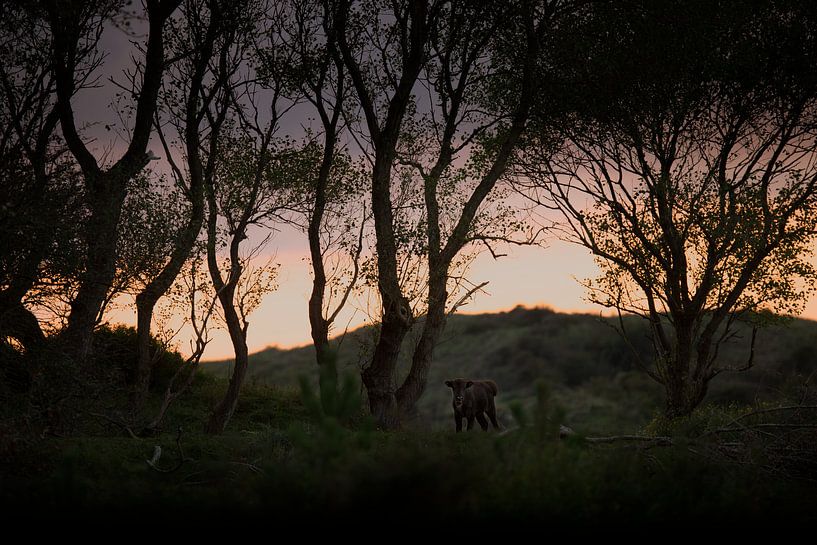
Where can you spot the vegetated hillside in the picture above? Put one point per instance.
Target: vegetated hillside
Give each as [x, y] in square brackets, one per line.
[588, 366]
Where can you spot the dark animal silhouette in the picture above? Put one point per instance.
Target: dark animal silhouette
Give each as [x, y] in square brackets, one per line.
[472, 398]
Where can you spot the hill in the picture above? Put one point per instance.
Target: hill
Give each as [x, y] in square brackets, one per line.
[586, 364]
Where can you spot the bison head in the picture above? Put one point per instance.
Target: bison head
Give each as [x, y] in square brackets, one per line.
[458, 386]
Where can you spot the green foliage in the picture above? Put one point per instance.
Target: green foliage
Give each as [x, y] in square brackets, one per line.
[116, 347]
[283, 454]
[66, 398]
[704, 418]
[665, 171]
[335, 400]
[547, 415]
[294, 470]
[153, 215]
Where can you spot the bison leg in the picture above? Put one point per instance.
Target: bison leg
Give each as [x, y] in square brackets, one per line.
[482, 422]
[470, 423]
[491, 410]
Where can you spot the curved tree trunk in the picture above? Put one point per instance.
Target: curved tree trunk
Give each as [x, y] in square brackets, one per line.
[106, 188]
[379, 376]
[226, 295]
[20, 323]
[100, 267]
[147, 299]
[223, 412]
[15, 319]
[415, 383]
[318, 323]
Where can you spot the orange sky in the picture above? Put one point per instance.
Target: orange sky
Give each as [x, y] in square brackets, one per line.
[529, 276]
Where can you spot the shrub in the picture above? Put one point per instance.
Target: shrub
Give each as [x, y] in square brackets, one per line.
[115, 347]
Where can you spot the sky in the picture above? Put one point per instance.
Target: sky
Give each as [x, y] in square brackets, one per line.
[529, 276]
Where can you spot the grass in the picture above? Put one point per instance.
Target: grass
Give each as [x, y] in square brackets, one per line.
[283, 459]
[279, 463]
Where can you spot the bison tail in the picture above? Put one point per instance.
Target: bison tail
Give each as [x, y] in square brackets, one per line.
[492, 385]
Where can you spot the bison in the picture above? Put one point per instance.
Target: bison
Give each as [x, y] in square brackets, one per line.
[472, 398]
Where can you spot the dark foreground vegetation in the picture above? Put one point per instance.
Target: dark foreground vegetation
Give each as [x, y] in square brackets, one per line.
[65, 447]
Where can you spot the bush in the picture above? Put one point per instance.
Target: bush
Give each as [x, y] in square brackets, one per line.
[115, 347]
[705, 418]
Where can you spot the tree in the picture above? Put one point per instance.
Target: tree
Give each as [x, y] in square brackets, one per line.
[246, 191]
[480, 99]
[454, 51]
[333, 219]
[38, 187]
[195, 101]
[75, 28]
[254, 183]
[685, 164]
[194, 291]
[402, 35]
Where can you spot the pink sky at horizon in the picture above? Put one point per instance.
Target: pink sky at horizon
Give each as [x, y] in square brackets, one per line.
[528, 276]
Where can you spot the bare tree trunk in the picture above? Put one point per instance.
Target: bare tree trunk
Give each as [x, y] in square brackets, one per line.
[33, 118]
[318, 323]
[100, 267]
[238, 336]
[684, 394]
[378, 377]
[144, 357]
[415, 383]
[106, 188]
[442, 254]
[147, 299]
[223, 412]
[226, 295]
[190, 367]
[15, 319]
[19, 322]
[685, 378]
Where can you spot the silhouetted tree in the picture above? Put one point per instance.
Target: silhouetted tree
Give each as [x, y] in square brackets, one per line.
[38, 188]
[398, 34]
[688, 170]
[454, 52]
[192, 291]
[242, 194]
[194, 102]
[255, 183]
[334, 218]
[75, 27]
[480, 99]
